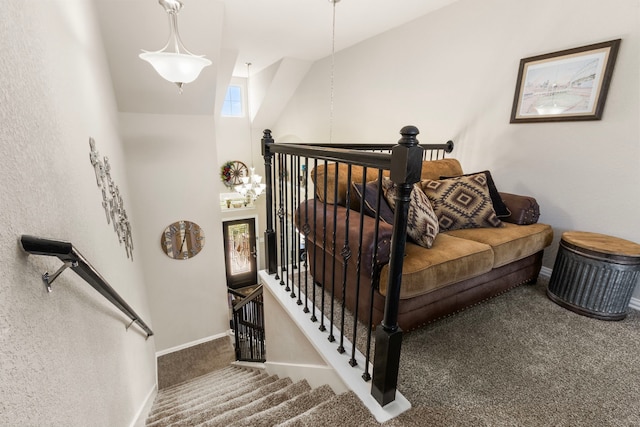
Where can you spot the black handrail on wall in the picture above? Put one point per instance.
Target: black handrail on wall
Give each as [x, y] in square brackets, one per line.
[74, 259]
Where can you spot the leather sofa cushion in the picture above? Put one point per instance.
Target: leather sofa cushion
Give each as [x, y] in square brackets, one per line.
[449, 260]
[434, 169]
[318, 176]
[431, 169]
[510, 242]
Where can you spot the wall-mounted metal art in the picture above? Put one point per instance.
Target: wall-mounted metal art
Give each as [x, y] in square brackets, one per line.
[111, 199]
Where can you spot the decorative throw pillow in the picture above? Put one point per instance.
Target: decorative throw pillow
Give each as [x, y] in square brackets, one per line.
[371, 201]
[502, 211]
[422, 222]
[461, 202]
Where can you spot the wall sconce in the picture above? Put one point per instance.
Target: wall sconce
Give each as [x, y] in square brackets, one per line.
[180, 66]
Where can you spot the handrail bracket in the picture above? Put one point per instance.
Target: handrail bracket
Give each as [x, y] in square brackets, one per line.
[49, 279]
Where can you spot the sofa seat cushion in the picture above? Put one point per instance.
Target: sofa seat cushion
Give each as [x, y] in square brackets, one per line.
[450, 260]
[511, 242]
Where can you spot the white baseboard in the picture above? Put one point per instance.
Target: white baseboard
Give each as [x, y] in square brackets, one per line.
[546, 273]
[143, 413]
[192, 343]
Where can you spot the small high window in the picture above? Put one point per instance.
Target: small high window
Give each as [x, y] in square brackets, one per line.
[232, 106]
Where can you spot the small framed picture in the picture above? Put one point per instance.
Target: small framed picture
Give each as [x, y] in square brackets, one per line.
[567, 85]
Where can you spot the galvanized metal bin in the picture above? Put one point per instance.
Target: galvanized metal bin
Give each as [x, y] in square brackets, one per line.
[595, 275]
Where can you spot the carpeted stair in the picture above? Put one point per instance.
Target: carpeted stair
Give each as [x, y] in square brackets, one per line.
[235, 396]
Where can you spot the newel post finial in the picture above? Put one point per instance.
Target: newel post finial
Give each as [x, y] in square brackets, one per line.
[267, 140]
[409, 136]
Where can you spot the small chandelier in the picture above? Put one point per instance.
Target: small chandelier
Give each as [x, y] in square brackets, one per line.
[252, 185]
[180, 66]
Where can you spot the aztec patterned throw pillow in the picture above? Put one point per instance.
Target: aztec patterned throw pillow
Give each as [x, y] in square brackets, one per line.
[461, 202]
[422, 224]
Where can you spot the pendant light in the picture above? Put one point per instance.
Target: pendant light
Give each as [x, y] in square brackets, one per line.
[179, 66]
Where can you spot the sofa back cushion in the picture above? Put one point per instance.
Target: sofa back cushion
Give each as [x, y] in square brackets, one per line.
[461, 202]
[431, 169]
[318, 176]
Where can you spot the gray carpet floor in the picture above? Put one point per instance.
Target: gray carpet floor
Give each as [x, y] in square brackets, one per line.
[521, 360]
[515, 360]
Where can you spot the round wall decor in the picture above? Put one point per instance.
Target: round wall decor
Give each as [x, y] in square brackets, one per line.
[182, 240]
[232, 171]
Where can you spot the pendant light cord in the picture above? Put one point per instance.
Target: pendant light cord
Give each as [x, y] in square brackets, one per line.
[249, 114]
[333, 62]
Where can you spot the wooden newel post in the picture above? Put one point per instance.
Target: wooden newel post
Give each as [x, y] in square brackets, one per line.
[406, 168]
[271, 258]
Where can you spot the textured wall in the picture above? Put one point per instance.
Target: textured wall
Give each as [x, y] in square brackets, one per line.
[173, 169]
[452, 73]
[66, 359]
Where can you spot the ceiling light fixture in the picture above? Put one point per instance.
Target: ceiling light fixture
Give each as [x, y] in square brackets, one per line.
[180, 66]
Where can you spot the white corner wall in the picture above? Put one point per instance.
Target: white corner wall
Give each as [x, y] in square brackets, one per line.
[66, 358]
[452, 73]
[173, 172]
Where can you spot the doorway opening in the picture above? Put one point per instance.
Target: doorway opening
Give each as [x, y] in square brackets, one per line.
[240, 252]
[246, 316]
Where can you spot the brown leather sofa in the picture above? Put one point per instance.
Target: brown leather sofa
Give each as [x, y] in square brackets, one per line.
[462, 268]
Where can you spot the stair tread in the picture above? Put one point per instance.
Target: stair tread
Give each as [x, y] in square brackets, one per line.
[213, 374]
[204, 380]
[288, 409]
[210, 394]
[260, 405]
[205, 411]
[333, 412]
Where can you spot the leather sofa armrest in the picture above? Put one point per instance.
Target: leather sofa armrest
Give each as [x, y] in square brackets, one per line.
[524, 209]
[317, 235]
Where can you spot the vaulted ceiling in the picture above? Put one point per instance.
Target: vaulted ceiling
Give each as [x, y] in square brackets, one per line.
[232, 33]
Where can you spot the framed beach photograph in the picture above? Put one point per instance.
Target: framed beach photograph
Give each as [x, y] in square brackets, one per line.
[567, 85]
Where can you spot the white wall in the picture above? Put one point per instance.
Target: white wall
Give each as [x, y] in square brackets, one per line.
[452, 73]
[172, 166]
[66, 358]
[235, 140]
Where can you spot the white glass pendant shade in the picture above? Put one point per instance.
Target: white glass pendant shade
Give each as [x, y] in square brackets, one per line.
[176, 67]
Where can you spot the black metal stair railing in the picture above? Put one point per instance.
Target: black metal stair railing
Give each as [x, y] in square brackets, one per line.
[72, 258]
[248, 327]
[296, 213]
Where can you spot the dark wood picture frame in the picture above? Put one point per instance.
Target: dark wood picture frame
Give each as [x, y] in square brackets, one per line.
[566, 85]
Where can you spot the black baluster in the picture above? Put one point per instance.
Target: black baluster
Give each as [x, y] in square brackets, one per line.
[286, 225]
[346, 254]
[324, 245]
[315, 239]
[306, 229]
[298, 243]
[283, 265]
[334, 244]
[353, 361]
[372, 288]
